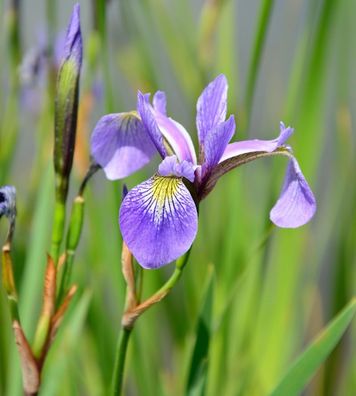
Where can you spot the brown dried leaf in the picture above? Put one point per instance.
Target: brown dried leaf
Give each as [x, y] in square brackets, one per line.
[49, 292]
[7, 273]
[58, 316]
[61, 261]
[30, 371]
[130, 316]
[128, 273]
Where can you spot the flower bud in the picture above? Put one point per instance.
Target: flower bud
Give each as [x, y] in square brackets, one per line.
[66, 106]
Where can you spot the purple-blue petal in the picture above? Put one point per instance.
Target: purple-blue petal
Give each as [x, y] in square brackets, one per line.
[296, 204]
[73, 47]
[121, 145]
[211, 106]
[145, 111]
[160, 102]
[256, 145]
[158, 221]
[177, 137]
[215, 144]
[171, 167]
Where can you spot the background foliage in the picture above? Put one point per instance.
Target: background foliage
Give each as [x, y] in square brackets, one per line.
[252, 296]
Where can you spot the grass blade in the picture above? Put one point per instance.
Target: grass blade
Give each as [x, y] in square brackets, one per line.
[199, 363]
[308, 362]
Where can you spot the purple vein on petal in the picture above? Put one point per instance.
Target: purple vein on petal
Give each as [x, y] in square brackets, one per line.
[158, 221]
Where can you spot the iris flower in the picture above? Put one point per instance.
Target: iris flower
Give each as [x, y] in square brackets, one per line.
[159, 217]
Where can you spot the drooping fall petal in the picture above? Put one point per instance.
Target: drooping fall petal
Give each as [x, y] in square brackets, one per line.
[296, 204]
[158, 221]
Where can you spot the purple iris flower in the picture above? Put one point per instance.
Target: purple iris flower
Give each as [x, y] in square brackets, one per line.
[159, 217]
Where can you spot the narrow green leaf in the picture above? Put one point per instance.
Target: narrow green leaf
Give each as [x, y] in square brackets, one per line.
[257, 51]
[308, 362]
[199, 363]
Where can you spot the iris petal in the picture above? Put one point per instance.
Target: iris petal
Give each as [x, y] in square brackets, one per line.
[296, 204]
[158, 221]
[145, 111]
[178, 138]
[160, 102]
[215, 143]
[211, 107]
[121, 145]
[256, 145]
[171, 167]
[163, 129]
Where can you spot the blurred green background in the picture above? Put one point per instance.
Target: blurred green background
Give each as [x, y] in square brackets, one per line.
[265, 292]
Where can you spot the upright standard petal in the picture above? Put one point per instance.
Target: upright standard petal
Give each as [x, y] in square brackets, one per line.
[296, 204]
[158, 221]
[169, 136]
[177, 137]
[121, 145]
[211, 107]
[145, 111]
[160, 102]
[215, 143]
[256, 145]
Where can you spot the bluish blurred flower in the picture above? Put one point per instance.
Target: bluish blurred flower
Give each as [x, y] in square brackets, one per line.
[158, 218]
[8, 202]
[36, 64]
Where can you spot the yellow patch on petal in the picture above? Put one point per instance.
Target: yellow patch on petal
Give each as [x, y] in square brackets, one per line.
[164, 188]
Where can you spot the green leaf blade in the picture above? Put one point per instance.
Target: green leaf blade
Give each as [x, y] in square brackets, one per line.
[300, 372]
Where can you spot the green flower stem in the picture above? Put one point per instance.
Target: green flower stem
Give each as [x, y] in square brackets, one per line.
[180, 264]
[73, 237]
[120, 360]
[74, 232]
[58, 228]
[123, 341]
